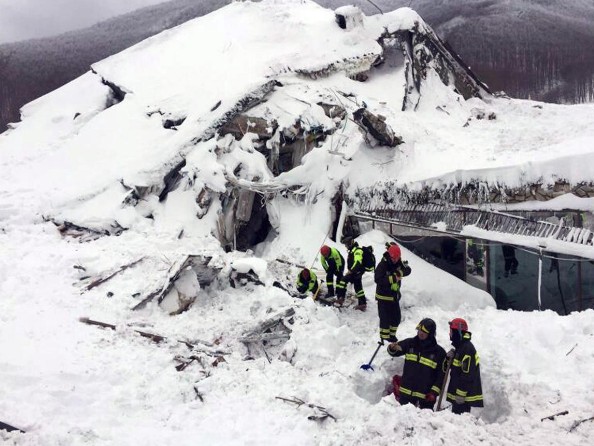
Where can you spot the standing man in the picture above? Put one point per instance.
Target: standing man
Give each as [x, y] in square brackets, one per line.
[424, 366]
[355, 273]
[333, 263]
[465, 389]
[388, 278]
[511, 263]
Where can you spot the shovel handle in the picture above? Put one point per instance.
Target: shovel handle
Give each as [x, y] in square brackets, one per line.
[445, 380]
[368, 365]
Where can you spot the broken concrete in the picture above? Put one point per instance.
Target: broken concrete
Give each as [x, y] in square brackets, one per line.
[375, 130]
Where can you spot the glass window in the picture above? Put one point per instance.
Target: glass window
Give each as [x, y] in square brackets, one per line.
[513, 277]
[476, 263]
[559, 290]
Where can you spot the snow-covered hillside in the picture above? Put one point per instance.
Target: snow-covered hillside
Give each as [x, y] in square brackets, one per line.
[140, 147]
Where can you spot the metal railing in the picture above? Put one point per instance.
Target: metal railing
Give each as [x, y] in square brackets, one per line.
[428, 216]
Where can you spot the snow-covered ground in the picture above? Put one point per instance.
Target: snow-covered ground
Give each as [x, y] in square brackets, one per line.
[69, 383]
[65, 382]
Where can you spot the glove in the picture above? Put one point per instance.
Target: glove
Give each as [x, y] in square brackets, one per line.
[395, 286]
[430, 397]
[451, 354]
[394, 347]
[460, 399]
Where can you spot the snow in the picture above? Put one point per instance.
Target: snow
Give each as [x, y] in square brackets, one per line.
[65, 382]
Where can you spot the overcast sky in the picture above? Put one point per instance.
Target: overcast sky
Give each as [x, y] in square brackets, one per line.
[28, 19]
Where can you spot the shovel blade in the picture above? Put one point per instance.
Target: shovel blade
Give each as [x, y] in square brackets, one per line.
[367, 367]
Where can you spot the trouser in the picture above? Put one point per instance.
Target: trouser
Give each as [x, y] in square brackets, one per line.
[422, 404]
[460, 408]
[389, 318]
[340, 284]
[511, 263]
[355, 279]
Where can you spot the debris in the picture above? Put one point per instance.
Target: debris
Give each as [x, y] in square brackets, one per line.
[99, 280]
[9, 428]
[198, 394]
[375, 130]
[572, 348]
[83, 234]
[324, 413]
[577, 423]
[154, 337]
[185, 362]
[272, 329]
[552, 417]
[198, 263]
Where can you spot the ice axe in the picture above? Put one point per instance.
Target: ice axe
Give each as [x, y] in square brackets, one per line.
[368, 365]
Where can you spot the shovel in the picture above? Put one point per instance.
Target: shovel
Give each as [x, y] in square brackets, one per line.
[368, 365]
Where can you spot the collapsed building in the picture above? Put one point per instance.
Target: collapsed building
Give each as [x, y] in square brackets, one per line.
[225, 152]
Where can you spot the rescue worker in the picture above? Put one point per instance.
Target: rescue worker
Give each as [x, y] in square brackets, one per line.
[355, 273]
[333, 263]
[424, 366]
[388, 278]
[308, 281]
[465, 388]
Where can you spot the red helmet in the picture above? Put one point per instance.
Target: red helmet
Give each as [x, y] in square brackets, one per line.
[305, 273]
[325, 251]
[394, 252]
[458, 324]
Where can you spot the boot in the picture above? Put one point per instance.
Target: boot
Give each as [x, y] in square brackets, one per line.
[361, 307]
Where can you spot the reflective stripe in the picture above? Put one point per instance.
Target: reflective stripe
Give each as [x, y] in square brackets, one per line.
[465, 365]
[411, 393]
[456, 363]
[467, 399]
[411, 357]
[380, 297]
[428, 362]
[422, 328]
[461, 392]
[436, 389]
[477, 360]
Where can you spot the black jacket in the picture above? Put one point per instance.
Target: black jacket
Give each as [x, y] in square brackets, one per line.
[386, 274]
[465, 374]
[424, 367]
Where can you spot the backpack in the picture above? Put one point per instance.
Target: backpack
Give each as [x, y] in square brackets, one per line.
[368, 258]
